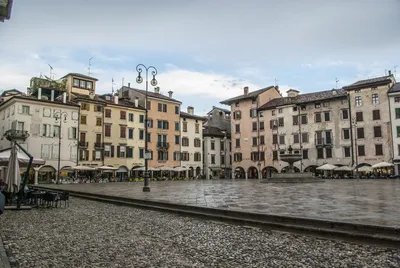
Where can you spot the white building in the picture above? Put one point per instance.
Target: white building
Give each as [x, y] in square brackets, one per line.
[35, 117]
[394, 105]
[191, 141]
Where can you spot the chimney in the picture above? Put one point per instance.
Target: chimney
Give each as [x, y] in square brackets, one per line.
[190, 110]
[246, 91]
[129, 84]
[52, 95]
[137, 102]
[115, 99]
[39, 95]
[292, 93]
[170, 93]
[157, 90]
[65, 97]
[389, 73]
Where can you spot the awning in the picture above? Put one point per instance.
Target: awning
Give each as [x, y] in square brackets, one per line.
[122, 169]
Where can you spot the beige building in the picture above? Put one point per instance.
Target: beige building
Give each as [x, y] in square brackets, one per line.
[123, 144]
[245, 129]
[317, 125]
[370, 118]
[79, 84]
[163, 125]
[394, 105]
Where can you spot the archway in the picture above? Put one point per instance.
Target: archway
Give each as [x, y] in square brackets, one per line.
[252, 173]
[198, 170]
[239, 173]
[191, 172]
[122, 173]
[47, 174]
[363, 164]
[312, 169]
[285, 169]
[267, 172]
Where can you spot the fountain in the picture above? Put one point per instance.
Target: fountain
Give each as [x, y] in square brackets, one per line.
[291, 176]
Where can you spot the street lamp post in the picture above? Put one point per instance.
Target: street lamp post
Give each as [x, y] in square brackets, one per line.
[60, 116]
[153, 82]
[354, 123]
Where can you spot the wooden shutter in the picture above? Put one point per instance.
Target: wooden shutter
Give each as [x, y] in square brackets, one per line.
[112, 150]
[118, 151]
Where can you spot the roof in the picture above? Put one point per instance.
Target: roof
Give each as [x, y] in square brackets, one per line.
[80, 75]
[193, 116]
[32, 98]
[14, 91]
[395, 88]
[304, 98]
[214, 131]
[96, 98]
[250, 95]
[217, 108]
[121, 102]
[367, 82]
[150, 94]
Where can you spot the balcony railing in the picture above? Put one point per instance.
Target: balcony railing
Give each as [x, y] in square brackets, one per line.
[323, 141]
[163, 145]
[83, 144]
[99, 145]
[15, 134]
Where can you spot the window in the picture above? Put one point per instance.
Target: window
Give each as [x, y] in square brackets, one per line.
[213, 159]
[108, 113]
[177, 139]
[273, 112]
[162, 124]
[237, 128]
[253, 113]
[197, 142]
[295, 120]
[130, 133]
[98, 122]
[122, 115]
[359, 117]
[261, 114]
[237, 115]
[177, 126]
[141, 118]
[326, 104]
[149, 123]
[318, 117]
[296, 138]
[347, 151]
[130, 117]
[295, 109]
[73, 133]
[377, 132]
[358, 100]
[320, 153]
[162, 107]
[238, 142]
[254, 126]
[45, 151]
[360, 133]
[282, 139]
[222, 159]
[281, 122]
[375, 99]
[398, 149]
[184, 126]
[55, 134]
[346, 133]
[274, 139]
[85, 106]
[396, 99]
[273, 124]
[345, 114]
[378, 149]
[261, 125]
[83, 119]
[254, 141]
[107, 130]
[176, 109]
[129, 152]
[121, 151]
[141, 134]
[304, 119]
[361, 150]
[25, 109]
[185, 156]
[185, 141]
[76, 82]
[304, 137]
[141, 153]
[376, 115]
[197, 128]
[122, 132]
[303, 107]
[177, 156]
[305, 153]
[98, 108]
[327, 116]
[148, 137]
[328, 152]
[237, 157]
[148, 105]
[89, 84]
[212, 145]
[318, 105]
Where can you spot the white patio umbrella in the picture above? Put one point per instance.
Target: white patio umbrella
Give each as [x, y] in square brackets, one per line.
[22, 158]
[165, 168]
[107, 168]
[149, 169]
[343, 168]
[364, 169]
[326, 167]
[179, 169]
[83, 168]
[13, 177]
[382, 165]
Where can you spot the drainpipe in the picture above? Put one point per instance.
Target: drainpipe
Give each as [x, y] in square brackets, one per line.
[258, 141]
[351, 129]
[390, 138]
[79, 135]
[300, 139]
[103, 130]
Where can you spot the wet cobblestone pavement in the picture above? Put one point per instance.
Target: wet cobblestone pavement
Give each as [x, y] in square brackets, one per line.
[363, 201]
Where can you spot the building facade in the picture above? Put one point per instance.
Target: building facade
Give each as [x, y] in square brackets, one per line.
[163, 125]
[394, 105]
[191, 140]
[245, 124]
[317, 125]
[37, 119]
[123, 134]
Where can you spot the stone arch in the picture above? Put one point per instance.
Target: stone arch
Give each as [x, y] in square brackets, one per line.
[191, 172]
[198, 171]
[240, 173]
[285, 169]
[311, 168]
[47, 173]
[267, 172]
[252, 172]
[122, 172]
[363, 164]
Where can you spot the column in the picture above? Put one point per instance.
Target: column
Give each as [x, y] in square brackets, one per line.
[36, 176]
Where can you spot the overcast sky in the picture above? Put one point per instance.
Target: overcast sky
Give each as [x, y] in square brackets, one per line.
[205, 50]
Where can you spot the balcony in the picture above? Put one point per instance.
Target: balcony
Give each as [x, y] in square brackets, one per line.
[83, 144]
[323, 142]
[162, 146]
[15, 134]
[99, 145]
